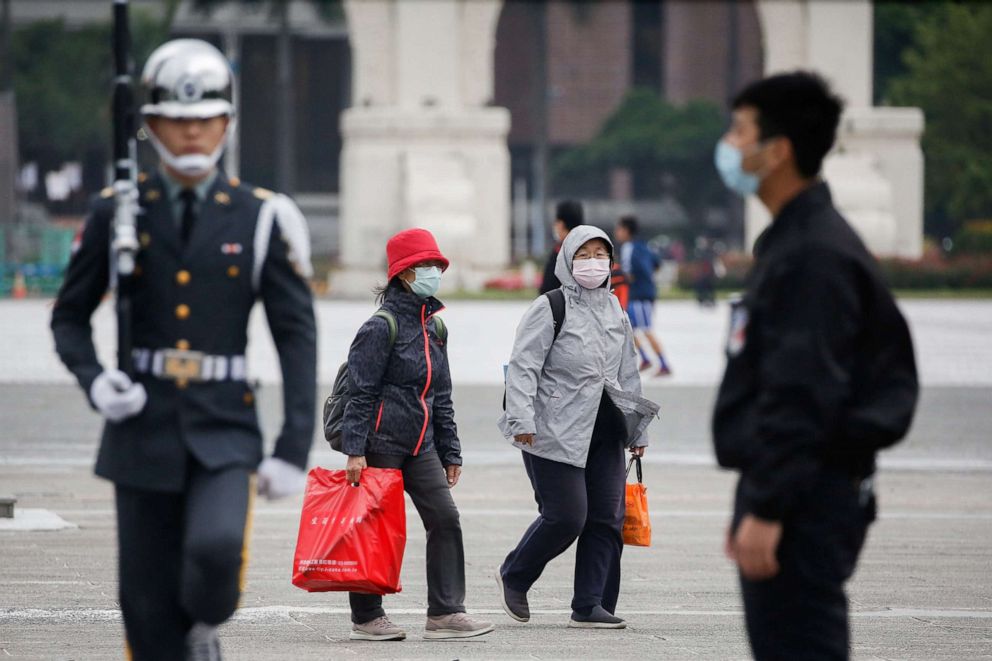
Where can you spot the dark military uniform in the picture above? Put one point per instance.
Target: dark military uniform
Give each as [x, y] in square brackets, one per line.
[820, 376]
[182, 467]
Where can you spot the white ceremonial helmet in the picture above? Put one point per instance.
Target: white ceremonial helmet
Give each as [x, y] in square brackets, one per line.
[187, 79]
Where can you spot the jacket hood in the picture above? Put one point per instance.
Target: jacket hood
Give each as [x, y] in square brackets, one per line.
[571, 245]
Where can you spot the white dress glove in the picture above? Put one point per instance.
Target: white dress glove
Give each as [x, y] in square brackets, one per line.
[116, 396]
[278, 478]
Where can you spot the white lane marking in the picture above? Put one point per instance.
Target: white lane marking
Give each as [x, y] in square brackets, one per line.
[528, 513]
[267, 612]
[510, 458]
[531, 513]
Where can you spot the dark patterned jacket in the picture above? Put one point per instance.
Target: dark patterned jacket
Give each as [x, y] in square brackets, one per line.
[400, 400]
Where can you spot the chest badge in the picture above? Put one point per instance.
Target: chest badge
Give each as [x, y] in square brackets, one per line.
[231, 248]
[737, 337]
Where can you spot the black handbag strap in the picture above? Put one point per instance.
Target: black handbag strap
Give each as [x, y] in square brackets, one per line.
[635, 460]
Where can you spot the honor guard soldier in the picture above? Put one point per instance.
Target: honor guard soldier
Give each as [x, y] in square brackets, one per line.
[820, 376]
[181, 442]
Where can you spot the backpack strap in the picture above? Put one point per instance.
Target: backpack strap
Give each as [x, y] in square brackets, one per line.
[390, 321]
[440, 328]
[557, 299]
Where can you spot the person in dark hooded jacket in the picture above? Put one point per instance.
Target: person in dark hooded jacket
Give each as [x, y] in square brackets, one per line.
[400, 415]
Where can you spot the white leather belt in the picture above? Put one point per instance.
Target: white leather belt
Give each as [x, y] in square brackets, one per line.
[180, 364]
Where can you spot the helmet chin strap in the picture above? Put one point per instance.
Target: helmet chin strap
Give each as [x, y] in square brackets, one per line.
[190, 165]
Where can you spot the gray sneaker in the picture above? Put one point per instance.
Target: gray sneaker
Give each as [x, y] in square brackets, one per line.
[378, 629]
[202, 643]
[455, 625]
[599, 618]
[513, 602]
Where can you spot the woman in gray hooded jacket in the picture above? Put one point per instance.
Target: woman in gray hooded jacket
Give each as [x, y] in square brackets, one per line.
[573, 403]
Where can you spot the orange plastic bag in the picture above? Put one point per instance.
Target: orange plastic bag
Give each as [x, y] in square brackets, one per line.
[351, 538]
[636, 521]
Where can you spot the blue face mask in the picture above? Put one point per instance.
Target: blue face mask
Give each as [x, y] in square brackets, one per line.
[427, 282]
[727, 159]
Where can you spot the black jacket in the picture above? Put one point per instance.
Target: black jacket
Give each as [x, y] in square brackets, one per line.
[400, 401]
[198, 297]
[549, 280]
[820, 368]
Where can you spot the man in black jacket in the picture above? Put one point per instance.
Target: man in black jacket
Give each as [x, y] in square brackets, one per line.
[181, 442]
[820, 376]
[568, 216]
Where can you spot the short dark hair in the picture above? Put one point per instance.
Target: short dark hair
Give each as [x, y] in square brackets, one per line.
[800, 107]
[570, 213]
[629, 223]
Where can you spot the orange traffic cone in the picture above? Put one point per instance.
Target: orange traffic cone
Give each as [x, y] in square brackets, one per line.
[20, 288]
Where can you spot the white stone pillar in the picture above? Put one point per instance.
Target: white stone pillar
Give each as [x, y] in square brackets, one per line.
[421, 146]
[876, 169]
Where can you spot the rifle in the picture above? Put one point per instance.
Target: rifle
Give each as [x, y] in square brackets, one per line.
[124, 247]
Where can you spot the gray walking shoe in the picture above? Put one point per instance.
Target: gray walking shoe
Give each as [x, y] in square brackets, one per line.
[599, 618]
[513, 602]
[455, 625]
[378, 629]
[202, 643]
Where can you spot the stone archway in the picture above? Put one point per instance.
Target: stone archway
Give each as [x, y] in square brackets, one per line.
[422, 147]
[876, 169]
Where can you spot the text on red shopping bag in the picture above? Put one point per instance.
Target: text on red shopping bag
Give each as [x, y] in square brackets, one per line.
[351, 538]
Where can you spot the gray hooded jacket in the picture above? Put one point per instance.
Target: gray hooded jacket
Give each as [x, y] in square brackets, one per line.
[554, 386]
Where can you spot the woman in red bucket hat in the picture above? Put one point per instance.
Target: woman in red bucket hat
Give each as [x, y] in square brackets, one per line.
[400, 415]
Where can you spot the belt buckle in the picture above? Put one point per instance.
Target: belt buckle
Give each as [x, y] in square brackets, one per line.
[180, 364]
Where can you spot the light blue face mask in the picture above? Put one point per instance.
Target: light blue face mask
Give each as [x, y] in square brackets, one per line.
[727, 159]
[427, 282]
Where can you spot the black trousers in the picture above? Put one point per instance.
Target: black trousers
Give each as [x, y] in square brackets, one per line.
[802, 612]
[586, 504]
[425, 480]
[181, 558]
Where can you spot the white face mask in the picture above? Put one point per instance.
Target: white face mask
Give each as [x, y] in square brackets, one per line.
[590, 273]
[190, 165]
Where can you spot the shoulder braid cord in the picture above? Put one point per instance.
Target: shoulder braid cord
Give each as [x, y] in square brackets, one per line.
[280, 209]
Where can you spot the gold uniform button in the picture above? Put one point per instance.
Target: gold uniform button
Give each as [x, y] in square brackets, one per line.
[182, 345]
[233, 271]
[249, 399]
[183, 277]
[182, 384]
[145, 239]
[182, 311]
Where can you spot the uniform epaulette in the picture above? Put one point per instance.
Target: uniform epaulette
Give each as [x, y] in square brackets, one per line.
[107, 192]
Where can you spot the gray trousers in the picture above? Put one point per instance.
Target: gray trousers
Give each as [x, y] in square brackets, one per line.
[424, 479]
[180, 558]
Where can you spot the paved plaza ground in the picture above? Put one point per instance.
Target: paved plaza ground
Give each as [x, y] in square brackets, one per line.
[923, 589]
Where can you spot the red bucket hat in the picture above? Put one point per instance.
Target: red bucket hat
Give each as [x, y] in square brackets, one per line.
[411, 247]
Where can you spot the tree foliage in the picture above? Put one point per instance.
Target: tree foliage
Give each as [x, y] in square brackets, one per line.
[895, 27]
[949, 75]
[62, 80]
[654, 138]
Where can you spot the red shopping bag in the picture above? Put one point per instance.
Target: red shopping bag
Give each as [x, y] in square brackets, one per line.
[351, 537]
